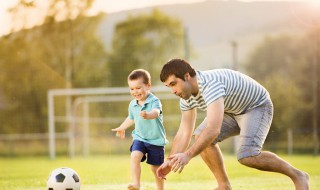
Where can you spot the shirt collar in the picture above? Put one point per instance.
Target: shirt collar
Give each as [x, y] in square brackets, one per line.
[199, 77]
[199, 81]
[148, 100]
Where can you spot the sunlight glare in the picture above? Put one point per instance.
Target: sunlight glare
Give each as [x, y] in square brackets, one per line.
[315, 4]
[308, 13]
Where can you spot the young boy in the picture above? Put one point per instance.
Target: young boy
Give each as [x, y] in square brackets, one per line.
[149, 137]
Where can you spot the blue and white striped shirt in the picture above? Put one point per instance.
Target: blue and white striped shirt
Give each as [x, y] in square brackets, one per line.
[240, 92]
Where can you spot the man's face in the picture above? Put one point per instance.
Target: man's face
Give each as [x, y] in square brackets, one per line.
[179, 87]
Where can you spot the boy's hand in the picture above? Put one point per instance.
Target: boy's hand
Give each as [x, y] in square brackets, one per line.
[120, 133]
[144, 114]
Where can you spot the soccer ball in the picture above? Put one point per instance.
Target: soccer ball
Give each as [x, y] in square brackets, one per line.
[63, 179]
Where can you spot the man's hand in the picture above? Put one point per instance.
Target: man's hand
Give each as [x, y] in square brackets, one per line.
[163, 170]
[178, 161]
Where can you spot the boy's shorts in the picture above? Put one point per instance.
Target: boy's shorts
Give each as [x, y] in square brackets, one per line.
[154, 154]
[253, 127]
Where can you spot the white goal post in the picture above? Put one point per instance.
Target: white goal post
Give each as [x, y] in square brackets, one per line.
[86, 96]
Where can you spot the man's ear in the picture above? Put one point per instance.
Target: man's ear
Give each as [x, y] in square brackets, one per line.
[186, 76]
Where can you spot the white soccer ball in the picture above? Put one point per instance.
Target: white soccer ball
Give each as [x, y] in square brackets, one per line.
[63, 179]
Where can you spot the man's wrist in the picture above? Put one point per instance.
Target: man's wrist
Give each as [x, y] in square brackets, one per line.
[189, 154]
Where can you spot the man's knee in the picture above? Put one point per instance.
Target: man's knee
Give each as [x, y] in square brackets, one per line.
[245, 153]
[245, 161]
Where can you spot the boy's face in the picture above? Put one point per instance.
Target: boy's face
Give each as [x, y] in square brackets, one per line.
[138, 89]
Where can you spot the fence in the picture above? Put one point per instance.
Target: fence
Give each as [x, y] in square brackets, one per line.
[85, 132]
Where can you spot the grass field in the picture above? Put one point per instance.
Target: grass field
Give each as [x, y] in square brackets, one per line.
[112, 173]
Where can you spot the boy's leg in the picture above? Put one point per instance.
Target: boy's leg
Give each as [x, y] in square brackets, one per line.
[135, 166]
[155, 159]
[138, 150]
[159, 182]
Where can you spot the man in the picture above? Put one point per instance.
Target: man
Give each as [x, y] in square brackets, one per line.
[234, 104]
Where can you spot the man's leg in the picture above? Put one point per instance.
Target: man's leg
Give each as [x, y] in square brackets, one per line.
[255, 126]
[212, 156]
[268, 161]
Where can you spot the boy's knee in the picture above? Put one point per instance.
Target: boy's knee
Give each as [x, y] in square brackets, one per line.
[136, 155]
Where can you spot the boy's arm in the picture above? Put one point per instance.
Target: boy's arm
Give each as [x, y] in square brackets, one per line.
[155, 110]
[121, 129]
[126, 124]
[150, 115]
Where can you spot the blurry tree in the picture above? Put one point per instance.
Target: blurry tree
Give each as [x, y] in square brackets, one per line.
[25, 79]
[76, 51]
[21, 14]
[144, 41]
[273, 56]
[284, 66]
[74, 42]
[314, 40]
[36, 60]
[285, 95]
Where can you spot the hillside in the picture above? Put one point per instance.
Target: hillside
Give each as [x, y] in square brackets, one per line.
[212, 25]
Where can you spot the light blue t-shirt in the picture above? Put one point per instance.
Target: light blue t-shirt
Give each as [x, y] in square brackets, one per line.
[240, 92]
[148, 130]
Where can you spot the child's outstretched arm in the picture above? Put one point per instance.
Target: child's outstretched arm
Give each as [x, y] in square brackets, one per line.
[150, 115]
[121, 130]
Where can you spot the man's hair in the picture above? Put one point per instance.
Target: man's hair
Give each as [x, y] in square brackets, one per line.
[140, 73]
[177, 67]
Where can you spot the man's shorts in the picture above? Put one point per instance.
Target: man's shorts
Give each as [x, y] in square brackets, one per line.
[154, 154]
[253, 127]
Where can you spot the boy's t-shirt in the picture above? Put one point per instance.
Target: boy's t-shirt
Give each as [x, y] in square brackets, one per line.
[148, 130]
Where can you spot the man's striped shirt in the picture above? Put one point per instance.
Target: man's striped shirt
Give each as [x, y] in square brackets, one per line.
[240, 92]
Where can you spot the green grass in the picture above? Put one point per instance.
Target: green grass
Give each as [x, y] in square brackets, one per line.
[112, 173]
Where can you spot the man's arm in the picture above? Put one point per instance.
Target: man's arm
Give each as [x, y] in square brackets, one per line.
[183, 137]
[215, 112]
[181, 140]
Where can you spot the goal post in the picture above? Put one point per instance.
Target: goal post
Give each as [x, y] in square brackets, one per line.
[85, 96]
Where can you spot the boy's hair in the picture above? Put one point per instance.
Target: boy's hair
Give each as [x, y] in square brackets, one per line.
[177, 67]
[140, 73]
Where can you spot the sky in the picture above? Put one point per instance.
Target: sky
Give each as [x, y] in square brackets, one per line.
[110, 6]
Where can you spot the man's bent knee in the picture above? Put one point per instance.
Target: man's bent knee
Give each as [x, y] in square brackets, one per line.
[247, 151]
[246, 161]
